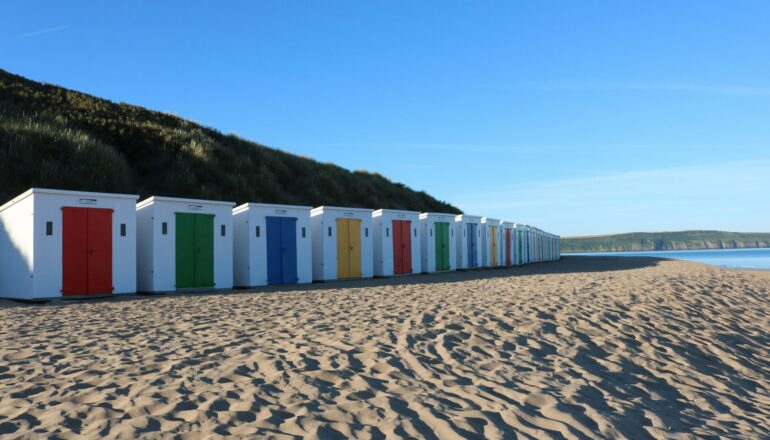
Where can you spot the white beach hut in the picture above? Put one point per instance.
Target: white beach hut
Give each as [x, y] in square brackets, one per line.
[525, 245]
[271, 245]
[469, 245]
[517, 244]
[539, 245]
[550, 247]
[437, 242]
[184, 244]
[396, 244]
[342, 243]
[56, 243]
[490, 242]
[508, 243]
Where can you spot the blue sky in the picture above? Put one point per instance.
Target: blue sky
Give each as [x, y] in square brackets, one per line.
[579, 117]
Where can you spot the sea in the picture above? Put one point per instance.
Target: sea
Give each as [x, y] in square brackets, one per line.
[756, 259]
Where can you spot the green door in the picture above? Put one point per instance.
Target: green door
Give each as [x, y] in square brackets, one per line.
[194, 250]
[185, 250]
[204, 253]
[442, 245]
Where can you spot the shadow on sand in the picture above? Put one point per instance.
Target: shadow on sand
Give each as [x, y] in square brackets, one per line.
[568, 264]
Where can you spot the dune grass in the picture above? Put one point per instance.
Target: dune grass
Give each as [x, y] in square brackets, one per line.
[59, 138]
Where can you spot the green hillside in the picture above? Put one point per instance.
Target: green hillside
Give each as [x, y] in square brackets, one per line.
[665, 241]
[58, 138]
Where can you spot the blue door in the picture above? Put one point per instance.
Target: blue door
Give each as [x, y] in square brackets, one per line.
[472, 242]
[281, 250]
[289, 248]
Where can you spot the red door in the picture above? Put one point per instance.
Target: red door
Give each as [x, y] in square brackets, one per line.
[86, 251]
[398, 255]
[507, 247]
[406, 246]
[74, 251]
[99, 251]
[402, 247]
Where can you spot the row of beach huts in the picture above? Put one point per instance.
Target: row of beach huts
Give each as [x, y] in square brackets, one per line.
[56, 243]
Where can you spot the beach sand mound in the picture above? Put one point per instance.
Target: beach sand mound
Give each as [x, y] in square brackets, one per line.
[581, 348]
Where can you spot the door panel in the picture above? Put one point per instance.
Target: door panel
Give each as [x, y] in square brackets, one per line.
[274, 252]
[74, 251]
[343, 249]
[185, 250]
[99, 251]
[204, 256]
[473, 243]
[493, 245]
[469, 239]
[508, 247]
[398, 255]
[445, 246]
[289, 250]
[439, 245]
[354, 240]
[406, 246]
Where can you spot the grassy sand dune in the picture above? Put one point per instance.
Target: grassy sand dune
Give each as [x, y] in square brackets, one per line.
[580, 348]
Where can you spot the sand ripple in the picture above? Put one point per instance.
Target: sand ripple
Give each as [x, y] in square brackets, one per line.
[567, 350]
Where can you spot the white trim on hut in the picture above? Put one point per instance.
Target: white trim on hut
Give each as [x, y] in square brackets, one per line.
[490, 242]
[434, 238]
[396, 229]
[199, 256]
[469, 244]
[56, 243]
[508, 253]
[272, 244]
[326, 241]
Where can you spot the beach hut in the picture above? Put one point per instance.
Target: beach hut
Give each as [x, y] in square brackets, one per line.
[508, 245]
[396, 244]
[525, 239]
[342, 243]
[437, 242]
[554, 247]
[518, 233]
[469, 245]
[184, 244]
[491, 244]
[56, 243]
[271, 245]
[550, 247]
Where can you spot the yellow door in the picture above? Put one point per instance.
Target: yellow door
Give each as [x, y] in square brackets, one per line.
[354, 239]
[343, 249]
[493, 244]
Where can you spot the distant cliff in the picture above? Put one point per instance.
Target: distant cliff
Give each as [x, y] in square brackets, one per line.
[665, 241]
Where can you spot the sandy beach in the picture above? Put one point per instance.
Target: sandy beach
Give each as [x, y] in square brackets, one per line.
[580, 348]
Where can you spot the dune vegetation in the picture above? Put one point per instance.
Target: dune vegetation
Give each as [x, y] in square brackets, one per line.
[58, 138]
